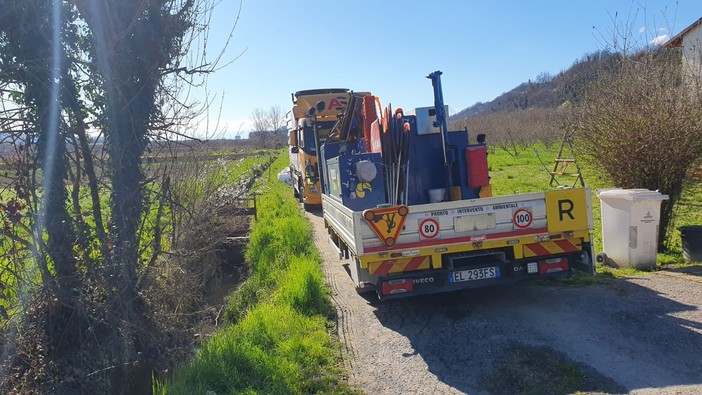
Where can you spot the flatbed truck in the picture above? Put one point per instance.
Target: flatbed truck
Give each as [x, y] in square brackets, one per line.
[409, 203]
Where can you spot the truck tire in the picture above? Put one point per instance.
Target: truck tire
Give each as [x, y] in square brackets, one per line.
[300, 193]
[365, 290]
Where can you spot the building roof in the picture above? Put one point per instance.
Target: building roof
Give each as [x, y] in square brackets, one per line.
[678, 39]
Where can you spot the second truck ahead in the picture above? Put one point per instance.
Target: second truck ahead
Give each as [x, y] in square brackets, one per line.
[409, 203]
[313, 114]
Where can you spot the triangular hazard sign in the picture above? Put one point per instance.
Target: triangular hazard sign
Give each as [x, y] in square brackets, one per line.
[386, 222]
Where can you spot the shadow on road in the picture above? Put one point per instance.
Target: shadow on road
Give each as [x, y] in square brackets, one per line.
[315, 212]
[630, 335]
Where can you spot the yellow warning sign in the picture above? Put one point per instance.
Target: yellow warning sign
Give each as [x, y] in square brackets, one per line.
[566, 209]
[386, 222]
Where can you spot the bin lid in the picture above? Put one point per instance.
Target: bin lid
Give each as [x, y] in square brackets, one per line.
[637, 194]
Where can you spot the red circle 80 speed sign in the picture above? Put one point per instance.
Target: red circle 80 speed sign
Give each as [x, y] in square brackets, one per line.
[522, 218]
[429, 228]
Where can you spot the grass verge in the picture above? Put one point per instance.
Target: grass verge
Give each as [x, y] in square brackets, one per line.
[277, 339]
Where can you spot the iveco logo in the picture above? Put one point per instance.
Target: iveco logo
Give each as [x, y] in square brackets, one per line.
[425, 280]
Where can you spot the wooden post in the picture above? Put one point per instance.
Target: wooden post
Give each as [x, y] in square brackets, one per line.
[255, 211]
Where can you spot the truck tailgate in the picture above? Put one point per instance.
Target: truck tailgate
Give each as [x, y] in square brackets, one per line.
[471, 221]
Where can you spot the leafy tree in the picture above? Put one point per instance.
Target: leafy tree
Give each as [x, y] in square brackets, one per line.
[66, 67]
[133, 42]
[640, 124]
[32, 61]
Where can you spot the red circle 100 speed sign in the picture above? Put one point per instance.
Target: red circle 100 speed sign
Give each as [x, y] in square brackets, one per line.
[522, 218]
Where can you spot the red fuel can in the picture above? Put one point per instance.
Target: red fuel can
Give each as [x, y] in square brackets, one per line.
[476, 161]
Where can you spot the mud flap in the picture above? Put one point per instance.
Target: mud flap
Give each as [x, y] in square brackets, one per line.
[583, 260]
[361, 278]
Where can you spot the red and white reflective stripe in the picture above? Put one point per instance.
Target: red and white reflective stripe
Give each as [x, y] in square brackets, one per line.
[552, 247]
[395, 265]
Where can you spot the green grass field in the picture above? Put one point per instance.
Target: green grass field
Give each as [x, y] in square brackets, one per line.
[526, 173]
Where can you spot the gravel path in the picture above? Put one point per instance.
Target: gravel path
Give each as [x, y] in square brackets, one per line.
[640, 335]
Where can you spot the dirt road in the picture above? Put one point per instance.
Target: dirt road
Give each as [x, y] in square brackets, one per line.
[640, 335]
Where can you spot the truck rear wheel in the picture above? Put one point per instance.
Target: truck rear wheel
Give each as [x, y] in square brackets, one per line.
[368, 289]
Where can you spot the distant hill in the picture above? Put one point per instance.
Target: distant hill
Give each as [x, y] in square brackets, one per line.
[546, 91]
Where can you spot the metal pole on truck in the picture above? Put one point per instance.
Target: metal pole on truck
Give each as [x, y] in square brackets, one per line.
[440, 121]
[397, 117]
[406, 129]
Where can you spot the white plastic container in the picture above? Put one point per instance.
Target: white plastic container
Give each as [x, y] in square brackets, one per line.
[630, 219]
[437, 195]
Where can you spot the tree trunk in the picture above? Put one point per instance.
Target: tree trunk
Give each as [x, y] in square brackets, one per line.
[42, 93]
[73, 103]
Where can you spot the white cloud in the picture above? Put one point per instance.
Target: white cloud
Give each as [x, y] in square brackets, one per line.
[660, 39]
[642, 29]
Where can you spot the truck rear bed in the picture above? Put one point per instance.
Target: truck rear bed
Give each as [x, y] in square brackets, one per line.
[466, 243]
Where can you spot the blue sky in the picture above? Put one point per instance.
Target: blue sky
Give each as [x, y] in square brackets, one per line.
[484, 48]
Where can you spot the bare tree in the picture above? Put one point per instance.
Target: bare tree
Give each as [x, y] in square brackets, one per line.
[641, 126]
[268, 127]
[259, 120]
[277, 119]
[516, 131]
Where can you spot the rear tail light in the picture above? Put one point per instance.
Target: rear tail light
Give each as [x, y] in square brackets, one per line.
[553, 265]
[390, 287]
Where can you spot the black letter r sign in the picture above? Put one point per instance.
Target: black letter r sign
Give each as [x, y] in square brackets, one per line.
[565, 206]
